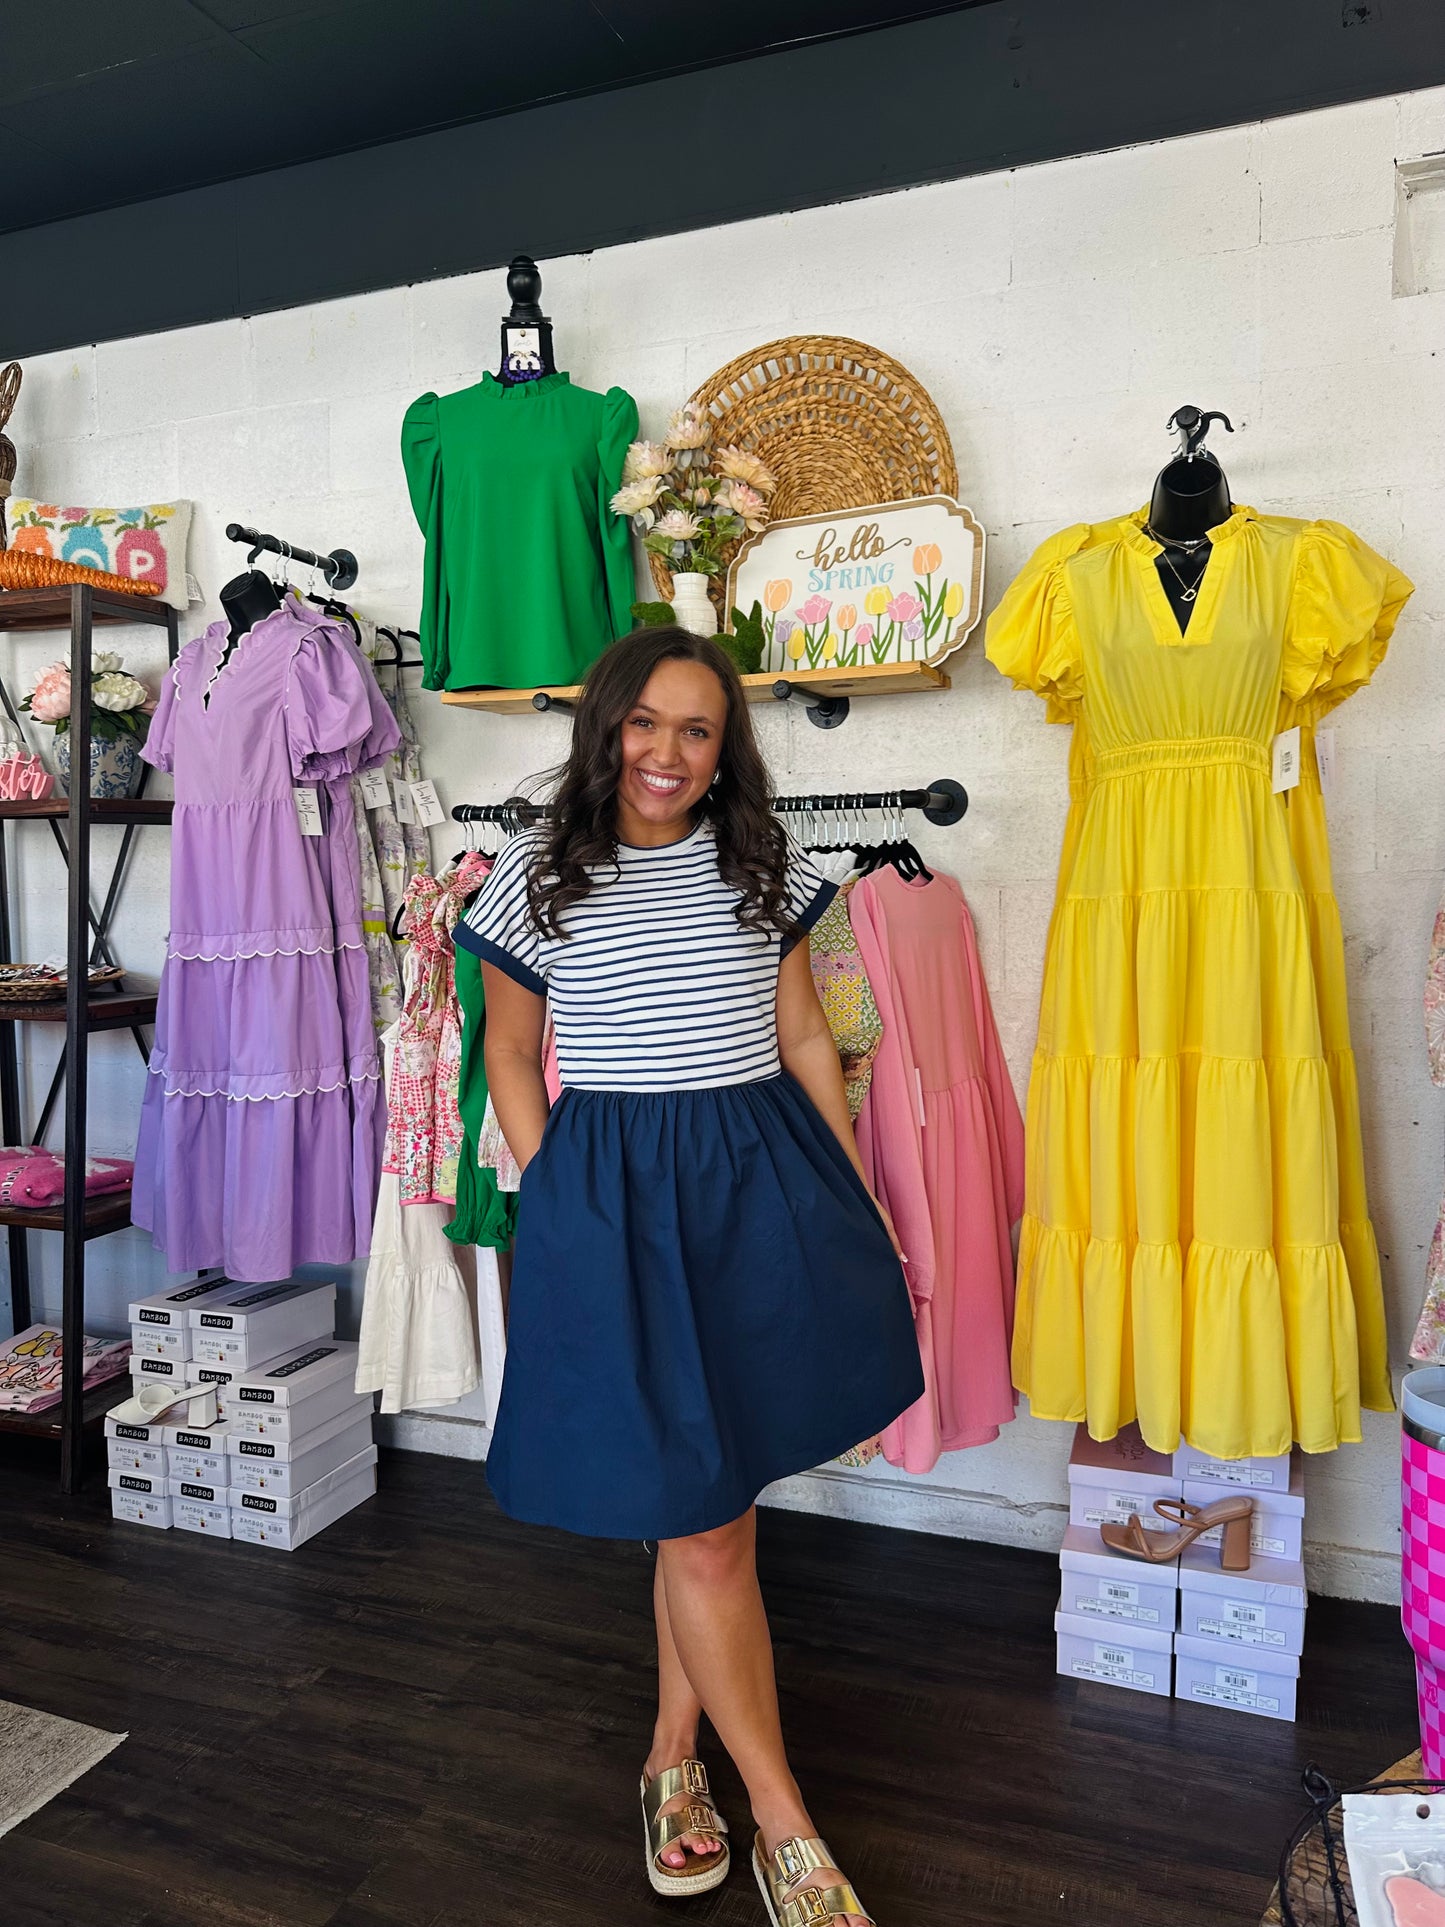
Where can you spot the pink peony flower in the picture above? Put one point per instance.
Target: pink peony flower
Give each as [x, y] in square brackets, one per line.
[815, 609]
[50, 698]
[903, 608]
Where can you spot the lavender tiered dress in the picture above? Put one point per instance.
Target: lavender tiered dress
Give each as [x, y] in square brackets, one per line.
[264, 1116]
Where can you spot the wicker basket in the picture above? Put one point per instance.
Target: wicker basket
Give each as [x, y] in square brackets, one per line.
[19, 569]
[28, 984]
[839, 423]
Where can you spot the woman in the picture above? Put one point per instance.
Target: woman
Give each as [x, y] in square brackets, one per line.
[705, 1297]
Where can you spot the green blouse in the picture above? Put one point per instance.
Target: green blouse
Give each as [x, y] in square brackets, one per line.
[528, 572]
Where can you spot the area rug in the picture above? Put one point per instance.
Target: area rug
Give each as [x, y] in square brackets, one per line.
[41, 1756]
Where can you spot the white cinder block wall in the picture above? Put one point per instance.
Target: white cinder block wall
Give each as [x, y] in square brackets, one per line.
[1058, 315]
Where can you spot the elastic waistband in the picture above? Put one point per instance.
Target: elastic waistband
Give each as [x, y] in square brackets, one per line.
[1197, 752]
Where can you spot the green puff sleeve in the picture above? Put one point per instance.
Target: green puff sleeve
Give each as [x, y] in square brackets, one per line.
[619, 428]
[421, 457]
[485, 1215]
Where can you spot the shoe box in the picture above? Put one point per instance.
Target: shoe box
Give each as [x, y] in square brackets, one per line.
[259, 1322]
[141, 1498]
[1098, 1585]
[1109, 1480]
[1139, 1658]
[197, 1506]
[197, 1453]
[159, 1325]
[1259, 1681]
[1277, 1529]
[134, 1448]
[286, 1467]
[267, 1519]
[1260, 1610]
[1193, 1467]
[298, 1392]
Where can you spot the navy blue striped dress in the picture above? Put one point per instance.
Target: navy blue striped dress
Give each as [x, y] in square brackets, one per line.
[704, 1298]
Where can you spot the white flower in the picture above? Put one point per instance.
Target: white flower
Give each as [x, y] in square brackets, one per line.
[644, 460]
[743, 467]
[746, 502]
[635, 497]
[677, 525]
[117, 692]
[104, 662]
[689, 428]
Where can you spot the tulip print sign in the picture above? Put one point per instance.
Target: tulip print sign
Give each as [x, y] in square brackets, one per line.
[897, 582]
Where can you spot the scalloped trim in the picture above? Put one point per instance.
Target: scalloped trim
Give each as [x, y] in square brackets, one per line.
[275, 1097]
[246, 956]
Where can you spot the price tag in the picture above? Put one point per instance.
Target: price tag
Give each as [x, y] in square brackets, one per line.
[429, 811]
[1286, 759]
[308, 809]
[405, 808]
[1325, 759]
[375, 790]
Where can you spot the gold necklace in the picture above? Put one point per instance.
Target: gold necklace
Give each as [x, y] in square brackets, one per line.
[1187, 591]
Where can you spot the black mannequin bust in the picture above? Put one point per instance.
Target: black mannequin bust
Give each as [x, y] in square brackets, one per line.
[1191, 497]
[246, 600]
[526, 331]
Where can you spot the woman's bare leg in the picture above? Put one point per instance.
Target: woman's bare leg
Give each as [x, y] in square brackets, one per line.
[674, 1738]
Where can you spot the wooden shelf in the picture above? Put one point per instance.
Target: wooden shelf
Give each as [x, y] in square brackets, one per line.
[103, 809]
[117, 1011]
[873, 679]
[107, 1211]
[50, 608]
[97, 1402]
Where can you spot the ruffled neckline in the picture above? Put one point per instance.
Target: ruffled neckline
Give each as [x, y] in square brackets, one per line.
[514, 390]
[1132, 527]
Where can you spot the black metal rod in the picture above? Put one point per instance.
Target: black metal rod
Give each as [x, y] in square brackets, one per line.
[339, 567]
[77, 1041]
[941, 801]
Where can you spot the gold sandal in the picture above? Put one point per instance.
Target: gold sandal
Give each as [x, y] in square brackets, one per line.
[700, 1815]
[811, 1906]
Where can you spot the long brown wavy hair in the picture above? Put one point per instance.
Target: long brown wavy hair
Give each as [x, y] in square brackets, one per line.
[582, 832]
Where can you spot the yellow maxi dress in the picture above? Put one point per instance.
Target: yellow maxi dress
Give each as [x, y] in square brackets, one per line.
[1196, 1250]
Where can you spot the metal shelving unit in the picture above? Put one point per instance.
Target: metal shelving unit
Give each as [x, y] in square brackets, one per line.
[78, 1219]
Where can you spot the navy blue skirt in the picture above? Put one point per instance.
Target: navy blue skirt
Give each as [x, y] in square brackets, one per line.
[704, 1299]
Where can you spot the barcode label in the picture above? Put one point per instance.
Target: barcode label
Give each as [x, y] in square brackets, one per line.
[1246, 1634]
[1117, 1609]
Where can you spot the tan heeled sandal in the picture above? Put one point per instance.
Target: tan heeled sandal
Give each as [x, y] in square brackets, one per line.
[1235, 1514]
[813, 1905]
[701, 1872]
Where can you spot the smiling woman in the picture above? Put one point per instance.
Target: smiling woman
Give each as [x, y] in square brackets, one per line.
[705, 1295]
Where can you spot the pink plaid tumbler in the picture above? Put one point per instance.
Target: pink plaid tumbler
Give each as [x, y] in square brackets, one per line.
[1422, 1551]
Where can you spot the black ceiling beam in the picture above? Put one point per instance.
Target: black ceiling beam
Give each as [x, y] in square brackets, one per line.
[993, 86]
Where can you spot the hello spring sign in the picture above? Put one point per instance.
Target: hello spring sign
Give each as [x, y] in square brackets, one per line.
[895, 582]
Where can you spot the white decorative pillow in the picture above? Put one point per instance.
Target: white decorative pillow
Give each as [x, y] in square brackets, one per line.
[146, 544]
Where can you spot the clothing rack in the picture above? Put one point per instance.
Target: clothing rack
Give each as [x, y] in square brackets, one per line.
[944, 802]
[339, 567]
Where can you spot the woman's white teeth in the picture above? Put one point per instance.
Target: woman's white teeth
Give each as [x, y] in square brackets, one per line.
[664, 784]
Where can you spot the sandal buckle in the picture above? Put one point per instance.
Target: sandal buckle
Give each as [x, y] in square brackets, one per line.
[791, 1864]
[813, 1906]
[699, 1819]
[694, 1776]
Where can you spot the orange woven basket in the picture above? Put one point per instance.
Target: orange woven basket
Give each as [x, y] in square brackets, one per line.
[19, 569]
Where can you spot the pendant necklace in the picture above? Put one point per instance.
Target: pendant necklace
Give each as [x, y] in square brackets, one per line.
[1187, 591]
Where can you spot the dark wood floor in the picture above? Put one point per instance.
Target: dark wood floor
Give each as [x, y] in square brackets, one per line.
[395, 1726]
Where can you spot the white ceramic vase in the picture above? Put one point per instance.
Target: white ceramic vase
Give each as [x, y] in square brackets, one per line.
[691, 607]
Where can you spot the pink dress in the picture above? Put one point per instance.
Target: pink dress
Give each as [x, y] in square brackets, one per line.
[942, 1143]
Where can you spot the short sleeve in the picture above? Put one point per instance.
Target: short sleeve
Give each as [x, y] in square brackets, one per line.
[159, 747]
[337, 720]
[1032, 637]
[809, 891]
[421, 457]
[619, 428]
[1343, 608]
[498, 927]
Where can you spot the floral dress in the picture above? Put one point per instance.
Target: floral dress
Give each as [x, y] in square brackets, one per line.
[1427, 1347]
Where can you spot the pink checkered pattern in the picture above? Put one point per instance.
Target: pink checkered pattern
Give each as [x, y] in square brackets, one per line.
[1422, 1589]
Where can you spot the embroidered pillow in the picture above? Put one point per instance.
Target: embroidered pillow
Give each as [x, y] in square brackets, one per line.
[144, 545]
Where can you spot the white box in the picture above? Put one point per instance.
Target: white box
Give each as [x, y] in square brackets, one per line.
[222, 1377]
[141, 1509]
[1258, 1682]
[120, 1479]
[160, 1341]
[294, 1521]
[1099, 1584]
[1109, 1481]
[135, 1448]
[288, 1466]
[1135, 1657]
[1264, 1607]
[256, 1324]
[1254, 1475]
[198, 1454]
[168, 1309]
[1277, 1528]
[196, 1515]
[298, 1392]
[168, 1371]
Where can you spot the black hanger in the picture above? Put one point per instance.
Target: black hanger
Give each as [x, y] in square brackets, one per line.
[338, 611]
[396, 660]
